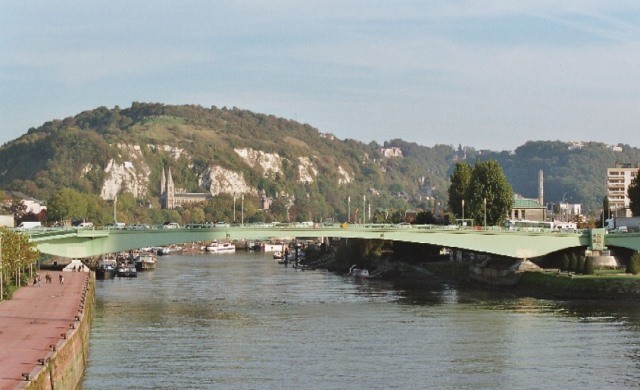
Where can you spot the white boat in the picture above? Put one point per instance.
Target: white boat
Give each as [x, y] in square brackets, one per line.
[274, 247]
[216, 247]
[361, 273]
[166, 250]
[145, 261]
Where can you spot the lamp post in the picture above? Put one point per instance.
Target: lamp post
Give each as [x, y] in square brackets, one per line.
[234, 207]
[242, 209]
[462, 212]
[364, 208]
[564, 207]
[485, 213]
[349, 209]
[115, 216]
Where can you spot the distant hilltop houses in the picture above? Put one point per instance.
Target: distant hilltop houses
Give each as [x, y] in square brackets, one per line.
[393, 151]
[580, 145]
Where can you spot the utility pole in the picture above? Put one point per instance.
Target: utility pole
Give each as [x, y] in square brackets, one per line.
[115, 215]
[485, 213]
[364, 208]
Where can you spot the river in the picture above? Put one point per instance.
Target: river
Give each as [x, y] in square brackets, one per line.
[241, 321]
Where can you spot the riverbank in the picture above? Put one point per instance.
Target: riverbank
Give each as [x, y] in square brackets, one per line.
[543, 284]
[45, 333]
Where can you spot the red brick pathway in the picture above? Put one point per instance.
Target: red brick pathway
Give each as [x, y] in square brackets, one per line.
[33, 320]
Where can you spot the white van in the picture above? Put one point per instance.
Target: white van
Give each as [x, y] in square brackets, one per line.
[170, 225]
[29, 225]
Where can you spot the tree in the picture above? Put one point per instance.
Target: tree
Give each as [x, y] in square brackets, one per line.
[17, 254]
[458, 188]
[565, 262]
[18, 209]
[573, 262]
[589, 266]
[633, 267]
[606, 211]
[66, 204]
[580, 264]
[633, 192]
[426, 218]
[488, 182]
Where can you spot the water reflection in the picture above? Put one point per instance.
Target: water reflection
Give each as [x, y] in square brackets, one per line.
[242, 321]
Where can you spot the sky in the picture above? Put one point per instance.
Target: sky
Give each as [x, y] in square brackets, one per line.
[486, 74]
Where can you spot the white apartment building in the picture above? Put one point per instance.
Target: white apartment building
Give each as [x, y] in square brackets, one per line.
[618, 181]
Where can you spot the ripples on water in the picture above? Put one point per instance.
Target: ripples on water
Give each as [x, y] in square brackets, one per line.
[243, 322]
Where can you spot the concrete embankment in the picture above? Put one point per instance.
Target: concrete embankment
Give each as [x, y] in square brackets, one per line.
[44, 333]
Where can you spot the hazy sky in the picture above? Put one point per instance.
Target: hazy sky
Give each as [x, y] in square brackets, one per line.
[487, 74]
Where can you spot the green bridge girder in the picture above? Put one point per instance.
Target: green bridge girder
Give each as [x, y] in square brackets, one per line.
[624, 240]
[78, 243]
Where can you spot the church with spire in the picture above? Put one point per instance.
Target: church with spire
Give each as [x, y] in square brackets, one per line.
[170, 198]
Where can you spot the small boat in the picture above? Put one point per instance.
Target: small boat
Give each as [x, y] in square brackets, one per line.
[166, 250]
[127, 271]
[106, 269]
[273, 247]
[277, 255]
[146, 261]
[216, 247]
[358, 273]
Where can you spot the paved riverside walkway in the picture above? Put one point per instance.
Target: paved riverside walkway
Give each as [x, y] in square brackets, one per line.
[33, 320]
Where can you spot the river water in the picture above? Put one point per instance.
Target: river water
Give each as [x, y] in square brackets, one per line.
[241, 321]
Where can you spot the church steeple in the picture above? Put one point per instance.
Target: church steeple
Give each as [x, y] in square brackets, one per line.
[170, 191]
[163, 185]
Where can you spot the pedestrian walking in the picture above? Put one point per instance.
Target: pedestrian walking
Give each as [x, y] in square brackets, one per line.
[61, 279]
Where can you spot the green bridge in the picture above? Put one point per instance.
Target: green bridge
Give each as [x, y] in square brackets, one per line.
[78, 243]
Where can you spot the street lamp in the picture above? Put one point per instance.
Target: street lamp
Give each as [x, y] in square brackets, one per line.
[485, 213]
[242, 208]
[364, 208]
[234, 207]
[462, 212]
[115, 215]
[349, 209]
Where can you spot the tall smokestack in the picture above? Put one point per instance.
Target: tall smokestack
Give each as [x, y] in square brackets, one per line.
[541, 186]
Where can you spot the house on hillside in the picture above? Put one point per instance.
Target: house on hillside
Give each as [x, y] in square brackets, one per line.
[34, 205]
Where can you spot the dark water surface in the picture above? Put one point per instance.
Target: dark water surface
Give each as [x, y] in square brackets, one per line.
[243, 322]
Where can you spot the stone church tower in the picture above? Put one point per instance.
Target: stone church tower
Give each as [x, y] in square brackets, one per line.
[167, 191]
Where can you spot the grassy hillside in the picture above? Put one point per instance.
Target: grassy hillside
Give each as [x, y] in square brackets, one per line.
[74, 153]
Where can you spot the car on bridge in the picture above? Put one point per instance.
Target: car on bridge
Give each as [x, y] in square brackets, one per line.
[139, 226]
[170, 225]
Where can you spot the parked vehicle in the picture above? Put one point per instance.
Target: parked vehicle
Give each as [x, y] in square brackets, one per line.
[170, 225]
[29, 225]
[628, 223]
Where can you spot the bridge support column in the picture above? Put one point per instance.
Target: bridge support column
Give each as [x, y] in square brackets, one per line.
[602, 258]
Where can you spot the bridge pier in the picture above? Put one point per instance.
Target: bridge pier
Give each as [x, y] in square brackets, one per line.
[602, 258]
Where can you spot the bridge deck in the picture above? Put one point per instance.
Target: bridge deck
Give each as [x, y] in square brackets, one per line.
[519, 244]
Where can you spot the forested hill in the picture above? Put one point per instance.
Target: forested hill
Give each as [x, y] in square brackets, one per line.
[222, 151]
